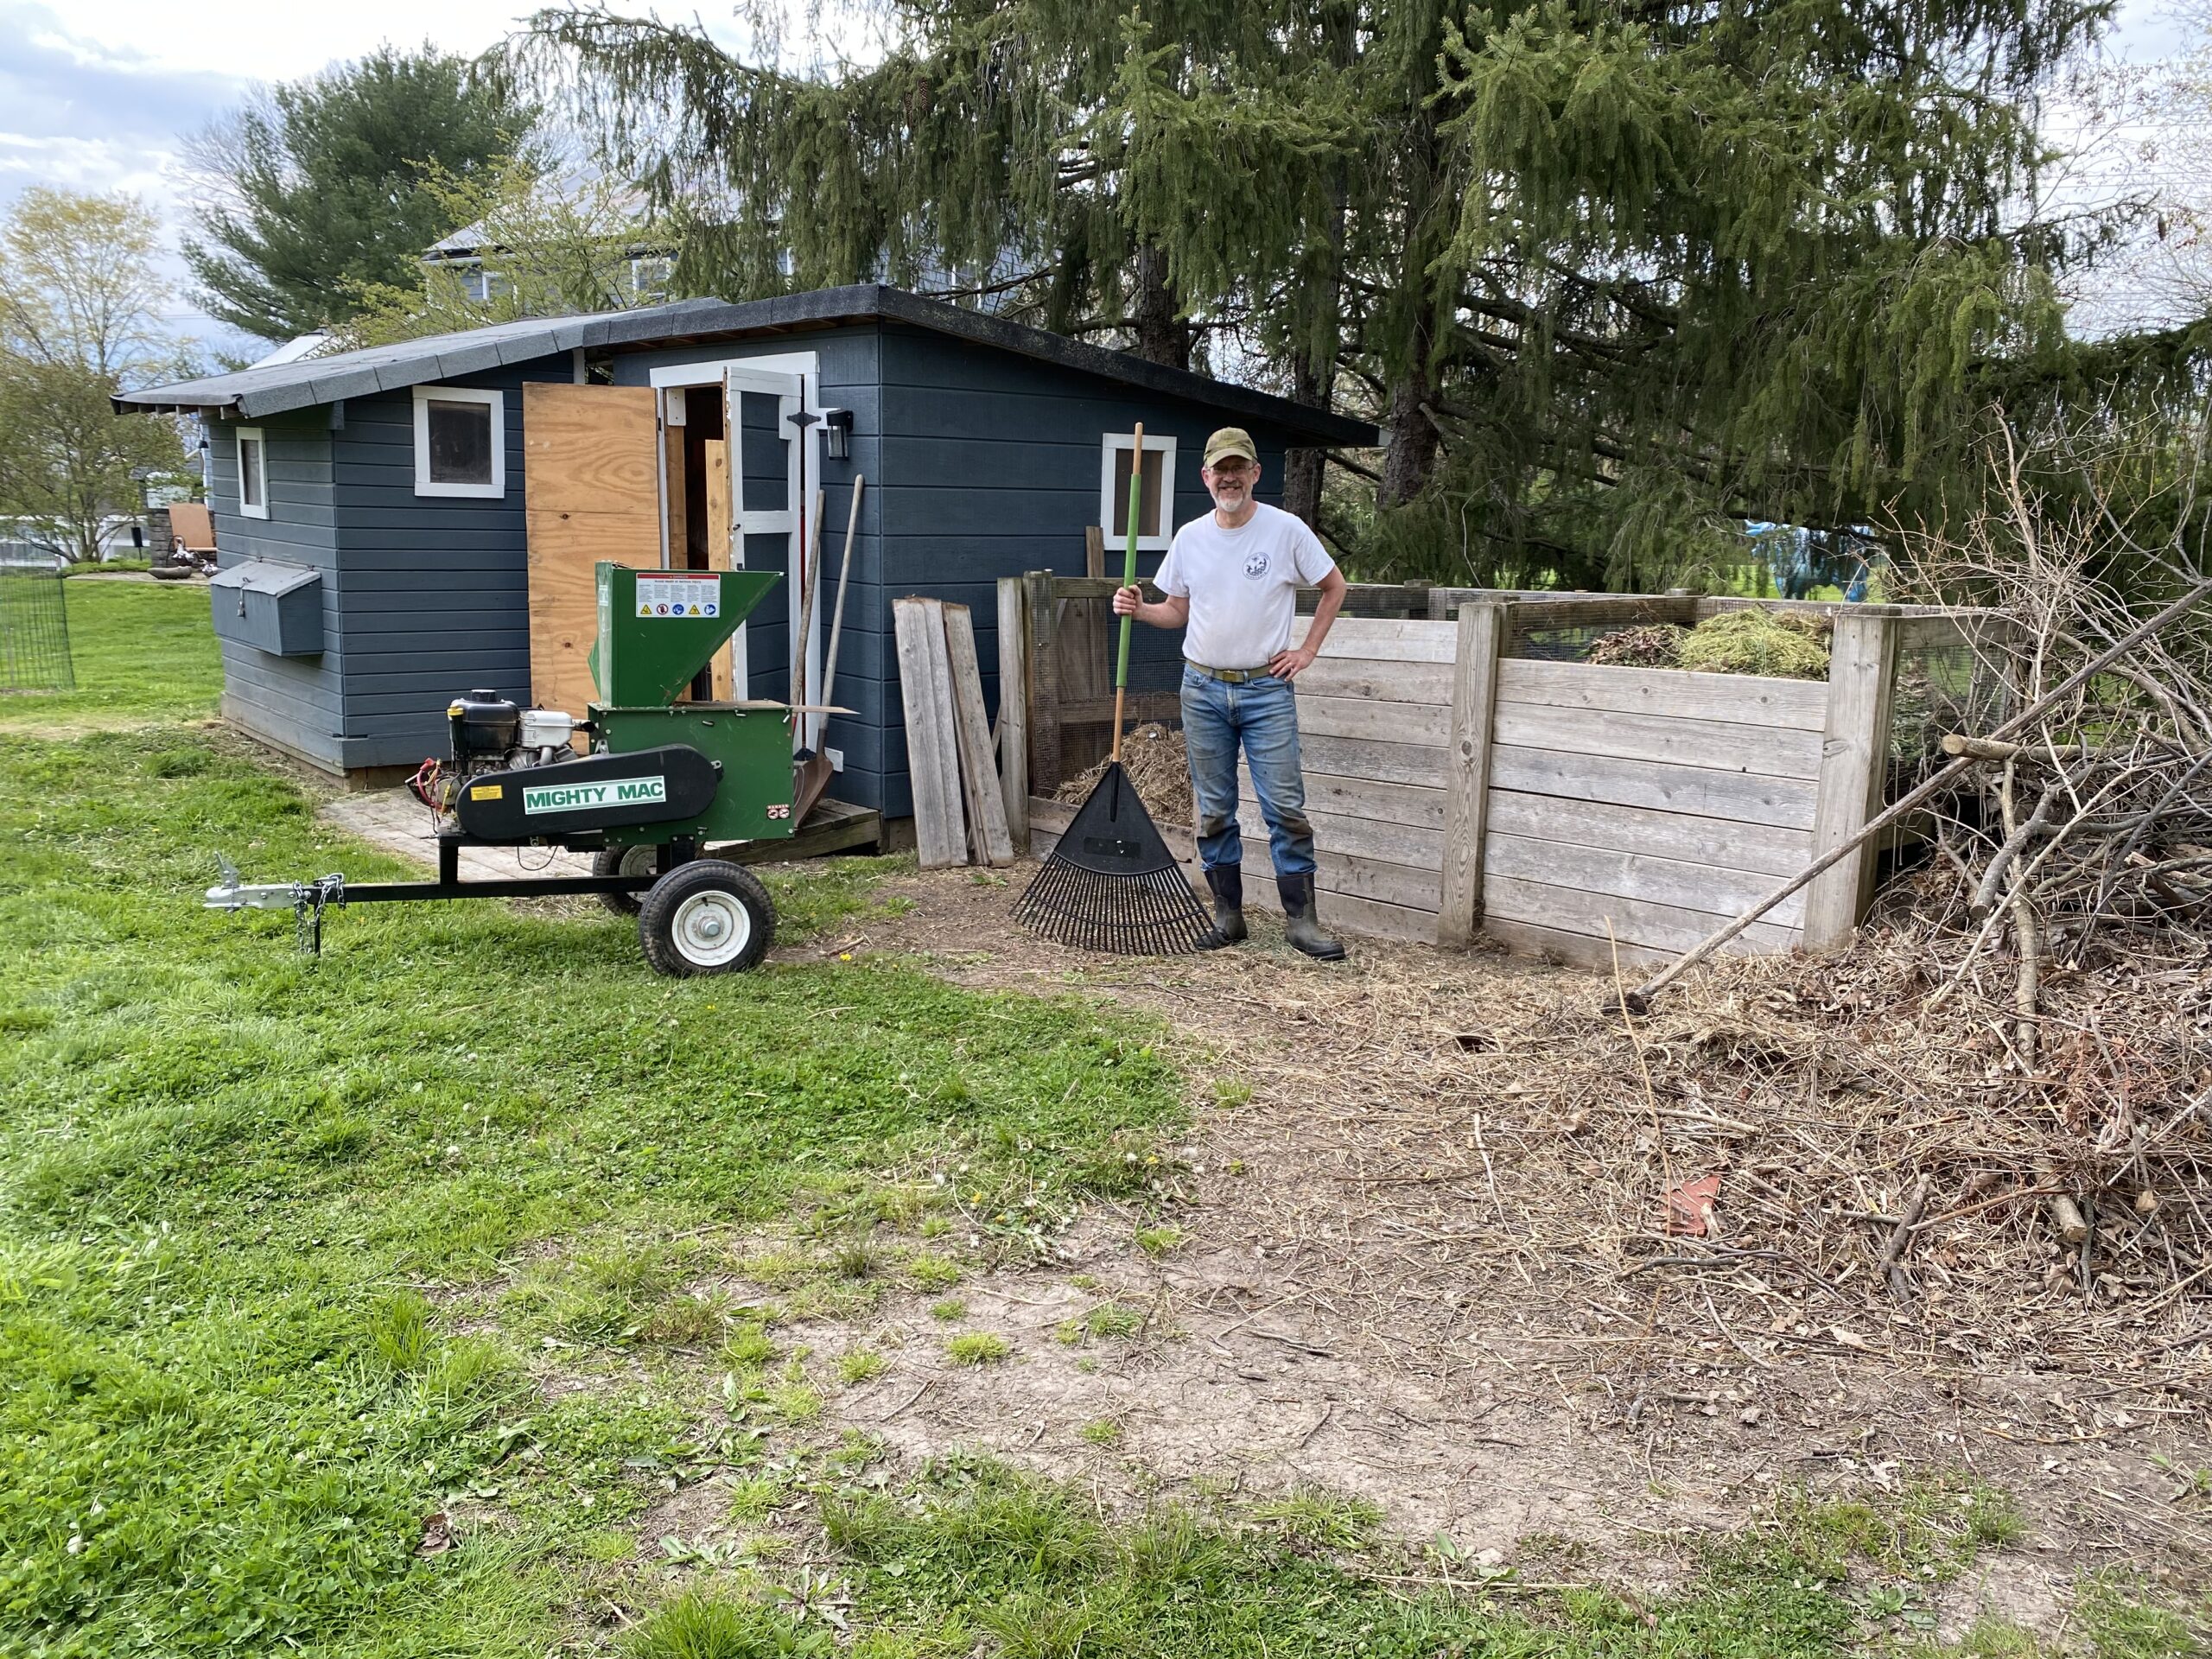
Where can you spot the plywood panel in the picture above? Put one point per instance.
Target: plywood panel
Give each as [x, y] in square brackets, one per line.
[723, 664]
[1768, 752]
[600, 443]
[591, 492]
[1759, 849]
[1740, 699]
[1719, 894]
[1697, 790]
[1635, 921]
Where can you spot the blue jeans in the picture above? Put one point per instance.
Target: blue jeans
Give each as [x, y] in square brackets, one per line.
[1262, 715]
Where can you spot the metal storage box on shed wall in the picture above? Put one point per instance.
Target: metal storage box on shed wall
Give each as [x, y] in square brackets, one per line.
[271, 607]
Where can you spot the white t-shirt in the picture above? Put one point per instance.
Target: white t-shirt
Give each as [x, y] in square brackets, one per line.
[1243, 584]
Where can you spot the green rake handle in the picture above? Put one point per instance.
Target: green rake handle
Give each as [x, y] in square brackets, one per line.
[1128, 580]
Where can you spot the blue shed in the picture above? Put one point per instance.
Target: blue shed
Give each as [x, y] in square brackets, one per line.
[439, 503]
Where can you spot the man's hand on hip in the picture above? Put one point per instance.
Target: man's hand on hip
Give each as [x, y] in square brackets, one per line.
[1289, 664]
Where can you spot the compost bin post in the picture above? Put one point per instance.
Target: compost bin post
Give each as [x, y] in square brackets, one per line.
[1013, 709]
[1043, 686]
[1483, 630]
[1854, 765]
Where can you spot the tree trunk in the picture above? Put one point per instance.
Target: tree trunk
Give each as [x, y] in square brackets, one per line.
[1162, 337]
[1412, 454]
[1302, 469]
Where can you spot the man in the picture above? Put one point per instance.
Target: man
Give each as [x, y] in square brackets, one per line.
[1231, 579]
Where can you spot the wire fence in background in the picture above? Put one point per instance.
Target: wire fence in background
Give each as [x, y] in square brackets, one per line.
[34, 626]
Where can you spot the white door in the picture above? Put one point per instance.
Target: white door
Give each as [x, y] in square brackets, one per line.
[769, 525]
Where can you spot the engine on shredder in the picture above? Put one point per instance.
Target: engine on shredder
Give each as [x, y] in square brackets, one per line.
[491, 733]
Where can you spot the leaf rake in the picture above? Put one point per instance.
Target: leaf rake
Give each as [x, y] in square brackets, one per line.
[1111, 884]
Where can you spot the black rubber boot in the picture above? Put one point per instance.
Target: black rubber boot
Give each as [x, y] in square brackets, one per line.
[1299, 924]
[1227, 881]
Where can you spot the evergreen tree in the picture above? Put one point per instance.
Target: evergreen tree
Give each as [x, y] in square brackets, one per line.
[1615, 277]
[320, 188]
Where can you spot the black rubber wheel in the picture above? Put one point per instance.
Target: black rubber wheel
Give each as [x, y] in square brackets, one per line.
[707, 917]
[623, 860]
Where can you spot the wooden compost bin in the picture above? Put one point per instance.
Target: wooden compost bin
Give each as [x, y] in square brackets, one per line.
[1459, 785]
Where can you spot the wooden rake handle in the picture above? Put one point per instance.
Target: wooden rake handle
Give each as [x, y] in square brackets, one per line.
[1128, 580]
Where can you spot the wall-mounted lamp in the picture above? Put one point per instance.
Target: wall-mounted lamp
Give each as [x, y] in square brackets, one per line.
[838, 433]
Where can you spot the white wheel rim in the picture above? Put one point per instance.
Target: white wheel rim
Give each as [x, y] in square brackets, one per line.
[711, 929]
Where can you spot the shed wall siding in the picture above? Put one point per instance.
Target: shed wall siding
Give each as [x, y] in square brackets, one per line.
[990, 467]
[847, 369]
[434, 590]
[292, 702]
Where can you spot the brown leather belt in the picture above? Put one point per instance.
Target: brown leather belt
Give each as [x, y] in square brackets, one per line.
[1229, 676]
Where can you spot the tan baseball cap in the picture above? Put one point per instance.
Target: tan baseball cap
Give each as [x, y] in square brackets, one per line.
[1231, 441]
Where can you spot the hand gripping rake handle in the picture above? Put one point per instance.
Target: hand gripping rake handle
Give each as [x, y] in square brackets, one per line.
[1128, 580]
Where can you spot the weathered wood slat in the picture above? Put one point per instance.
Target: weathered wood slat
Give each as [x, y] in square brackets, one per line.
[1392, 843]
[932, 756]
[1600, 611]
[1757, 848]
[1482, 631]
[1635, 921]
[1419, 763]
[1376, 679]
[1361, 798]
[1714, 745]
[1862, 663]
[986, 809]
[1389, 722]
[1697, 790]
[1014, 710]
[1385, 639]
[1719, 893]
[1338, 873]
[1670, 693]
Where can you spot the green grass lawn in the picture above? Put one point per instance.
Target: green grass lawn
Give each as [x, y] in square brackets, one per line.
[295, 1253]
[142, 651]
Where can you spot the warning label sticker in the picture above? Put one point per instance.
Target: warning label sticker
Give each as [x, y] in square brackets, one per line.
[670, 596]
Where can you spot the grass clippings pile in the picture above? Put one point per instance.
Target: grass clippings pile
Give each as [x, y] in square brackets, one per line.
[1157, 763]
[1781, 644]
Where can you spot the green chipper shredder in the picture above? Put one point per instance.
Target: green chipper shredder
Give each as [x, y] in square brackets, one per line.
[660, 780]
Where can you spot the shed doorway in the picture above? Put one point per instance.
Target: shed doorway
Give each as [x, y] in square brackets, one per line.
[738, 466]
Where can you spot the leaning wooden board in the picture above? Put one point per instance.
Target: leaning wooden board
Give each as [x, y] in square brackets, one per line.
[932, 747]
[986, 807]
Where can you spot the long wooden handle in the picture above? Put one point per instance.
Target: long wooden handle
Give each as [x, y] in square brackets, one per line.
[1128, 580]
[1640, 998]
[844, 576]
[811, 554]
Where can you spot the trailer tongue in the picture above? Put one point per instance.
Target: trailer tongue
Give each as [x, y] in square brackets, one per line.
[663, 776]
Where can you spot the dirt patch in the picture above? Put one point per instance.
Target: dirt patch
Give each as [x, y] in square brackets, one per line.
[1428, 1261]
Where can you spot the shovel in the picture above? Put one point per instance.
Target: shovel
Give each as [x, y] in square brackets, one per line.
[813, 772]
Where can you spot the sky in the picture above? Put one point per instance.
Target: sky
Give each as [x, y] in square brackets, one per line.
[100, 96]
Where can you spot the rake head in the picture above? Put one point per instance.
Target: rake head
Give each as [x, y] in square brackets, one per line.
[1112, 885]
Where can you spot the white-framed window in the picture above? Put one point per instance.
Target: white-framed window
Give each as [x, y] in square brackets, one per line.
[253, 473]
[460, 442]
[1155, 512]
[649, 274]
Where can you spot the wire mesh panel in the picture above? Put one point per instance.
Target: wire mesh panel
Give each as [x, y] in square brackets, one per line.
[34, 627]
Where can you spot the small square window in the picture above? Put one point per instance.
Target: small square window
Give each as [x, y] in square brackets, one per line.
[460, 442]
[253, 473]
[1156, 508]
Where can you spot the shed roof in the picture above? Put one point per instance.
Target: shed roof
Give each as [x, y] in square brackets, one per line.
[275, 388]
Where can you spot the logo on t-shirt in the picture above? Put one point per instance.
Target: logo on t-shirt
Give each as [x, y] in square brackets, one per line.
[1256, 566]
